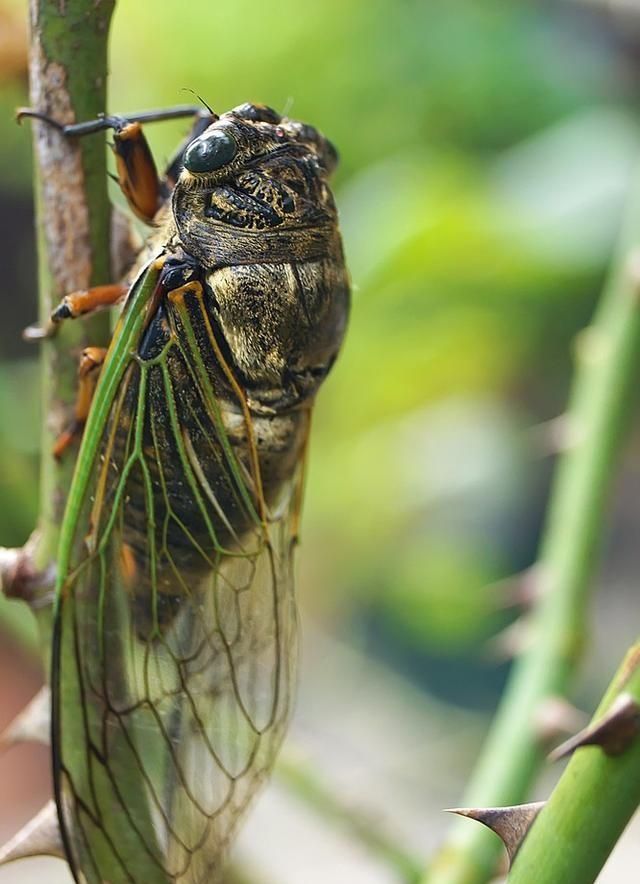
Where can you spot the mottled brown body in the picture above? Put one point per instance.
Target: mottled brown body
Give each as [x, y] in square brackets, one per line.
[262, 236]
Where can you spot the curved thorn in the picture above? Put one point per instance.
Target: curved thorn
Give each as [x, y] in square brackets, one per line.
[614, 732]
[511, 641]
[521, 590]
[40, 837]
[511, 824]
[555, 718]
[32, 725]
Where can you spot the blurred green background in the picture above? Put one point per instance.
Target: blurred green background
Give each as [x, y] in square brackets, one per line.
[486, 149]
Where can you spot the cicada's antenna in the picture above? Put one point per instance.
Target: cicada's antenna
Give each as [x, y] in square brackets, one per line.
[287, 106]
[201, 100]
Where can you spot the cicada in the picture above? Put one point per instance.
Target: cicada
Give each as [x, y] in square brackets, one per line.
[175, 625]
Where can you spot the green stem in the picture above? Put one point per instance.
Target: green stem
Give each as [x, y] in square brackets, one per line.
[590, 806]
[68, 76]
[603, 397]
[305, 784]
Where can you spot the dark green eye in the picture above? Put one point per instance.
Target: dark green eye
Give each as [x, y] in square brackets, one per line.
[210, 152]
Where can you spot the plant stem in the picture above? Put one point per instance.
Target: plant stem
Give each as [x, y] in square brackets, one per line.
[304, 782]
[68, 76]
[590, 806]
[603, 397]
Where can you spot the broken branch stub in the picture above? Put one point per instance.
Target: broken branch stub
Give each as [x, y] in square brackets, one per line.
[21, 578]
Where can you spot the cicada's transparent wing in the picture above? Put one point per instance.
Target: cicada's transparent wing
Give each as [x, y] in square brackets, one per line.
[175, 630]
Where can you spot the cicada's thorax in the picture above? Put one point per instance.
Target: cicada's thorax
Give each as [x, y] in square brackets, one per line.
[253, 343]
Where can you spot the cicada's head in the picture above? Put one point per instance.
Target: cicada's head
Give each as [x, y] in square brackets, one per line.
[253, 171]
[249, 137]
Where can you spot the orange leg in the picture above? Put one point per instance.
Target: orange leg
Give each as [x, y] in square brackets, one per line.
[88, 372]
[137, 174]
[77, 304]
[138, 179]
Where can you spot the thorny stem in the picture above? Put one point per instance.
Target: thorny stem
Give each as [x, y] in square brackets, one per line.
[603, 397]
[590, 806]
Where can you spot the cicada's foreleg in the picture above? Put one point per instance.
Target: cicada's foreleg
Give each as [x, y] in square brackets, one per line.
[108, 121]
[77, 304]
[137, 175]
[136, 170]
[89, 367]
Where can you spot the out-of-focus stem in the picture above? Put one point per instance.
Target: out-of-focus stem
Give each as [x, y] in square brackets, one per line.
[603, 397]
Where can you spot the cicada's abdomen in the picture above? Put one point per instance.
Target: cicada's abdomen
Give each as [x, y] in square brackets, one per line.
[229, 374]
[206, 474]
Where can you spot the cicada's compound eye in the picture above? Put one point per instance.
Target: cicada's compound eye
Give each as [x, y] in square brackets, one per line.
[210, 152]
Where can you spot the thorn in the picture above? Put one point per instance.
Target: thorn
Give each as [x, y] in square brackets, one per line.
[511, 824]
[32, 724]
[520, 590]
[614, 732]
[556, 436]
[40, 837]
[556, 717]
[511, 641]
